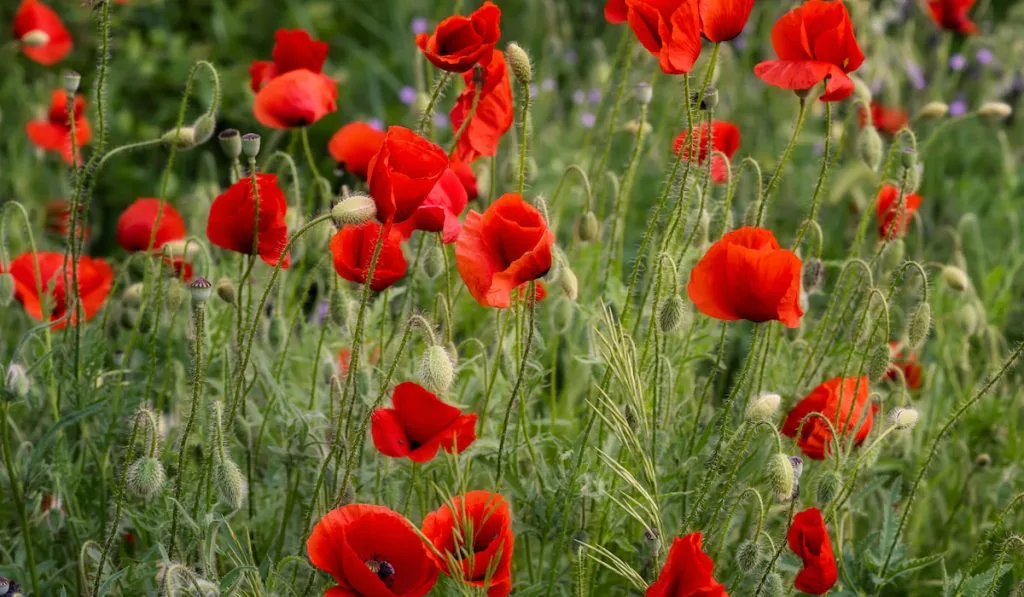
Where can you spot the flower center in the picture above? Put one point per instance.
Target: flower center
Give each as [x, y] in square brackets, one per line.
[382, 568]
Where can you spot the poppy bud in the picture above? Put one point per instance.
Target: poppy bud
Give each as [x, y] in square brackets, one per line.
[1018, 590]
[231, 485]
[955, 278]
[982, 460]
[146, 477]
[36, 38]
[995, 110]
[644, 93]
[634, 127]
[781, 477]
[276, 332]
[132, 296]
[969, 319]
[710, 99]
[763, 407]
[892, 257]
[903, 418]
[652, 539]
[230, 143]
[9, 588]
[748, 556]
[201, 290]
[433, 264]
[861, 91]
[226, 291]
[772, 586]
[672, 313]
[869, 147]
[828, 486]
[175, 295]
[878, 363]
[588, 227]
[920, 324]
[934, 110]
[204, 127]
[72, 80]
[908, 158]
[251, 145]
[337, 310]
[16, 384]
[569, 283]
[6, 289]
[354, 210]
[183, 138]
[436, 370]
[814, 275]
[519, 61]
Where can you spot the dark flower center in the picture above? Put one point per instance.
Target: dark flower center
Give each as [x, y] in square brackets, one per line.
[382, 568]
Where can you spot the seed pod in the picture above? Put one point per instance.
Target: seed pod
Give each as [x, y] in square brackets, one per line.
[781, 477]
[226, 291]
[6, 289]
[231, 485]
[251, 145]
[671, 314]
[934, 110]
[748, 556]
[436, 370]
[920, 325]
[995, 110]
[955, 278]
[828, 487]
[588, 227]
[869, 147]
[644, 93]
[433, 265]
[763, 407]
[72, 80]
[519, 62]
[878, 362]
[230, 143]
[903, 418]
[201, 290]
[356, 209]
[146, 477]
[16, 384]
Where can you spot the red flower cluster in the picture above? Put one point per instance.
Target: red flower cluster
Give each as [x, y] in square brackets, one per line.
[440, 211]
[402, 174]
[354, 146]
[725, 138]
[746, 275]
[95, 277]
[687, 572]
[54, 133]
[886, 120]
[291, 91]
[494, 111]
[459, 42]
[814, 43]
[844, 402]
[419, 424]
[808, 538]
[352, 248]
[42, 34]
[136, 224]
[233, 220]
[894, 219]
[952, 15]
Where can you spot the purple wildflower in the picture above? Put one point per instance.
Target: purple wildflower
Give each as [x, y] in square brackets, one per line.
[407, 95]
[957, 62]
[588, 120]
[420, 25]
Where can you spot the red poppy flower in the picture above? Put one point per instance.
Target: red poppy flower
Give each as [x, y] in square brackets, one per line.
[459, 42]
[814, 43]
[815, 436]
[135, 226]
[465, 173]
[506, 246]
[886, 120]
[345, 358]
[371, 551]
[745, 275]
[486, 517]
[668, 29]
[232, 217]
[725, 138]
[291, 91]
[354, 145]
[95, 278]
[54, 133]
[952, 15]
[441, 209]
[539, 295]
[419, 424]
[808, 538]
[723, 20]
[58, 220]
[894, 219]
[687, 572]
[403, 173]
[494, 111]
[353, 246]
[616, 11]
[907, 363]
[42, 34]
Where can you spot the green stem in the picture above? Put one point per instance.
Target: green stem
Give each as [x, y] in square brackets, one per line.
[532, 299]
[786, 154]
[826, 163]
[435, 96]
[19, 500]
[524, 136]
[197, 386]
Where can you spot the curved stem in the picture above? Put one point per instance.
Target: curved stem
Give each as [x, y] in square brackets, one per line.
[532, 299]
[786, 154]
[197, 386]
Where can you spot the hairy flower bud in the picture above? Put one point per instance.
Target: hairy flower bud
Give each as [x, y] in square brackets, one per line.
[955, 278]
[251, 145]
[16, 384]
[146, 477]
[893, 254]
[644, 93]
[175, 295]
[436, 372]
[920, 325]
[519, 62]
[588, 227]
[182, 139]
[861, 91]
[995, 110]
[568, 282]
[934, 110]
[781, 477]
[230, 143]
[710, 99]
[869, 147]
[6, 289]
[231, 485]
[763, 407]
[355, 209]
[969, 319]
[433, 264]
[671, 314]
[828, 487]
[226, 291]
[132, 295]
[878, 362]
[772, 586]
[903, 418]
[908, 158]
[276, 331]
[748, 556]
[813, 275]
[337, 308]
[201, 290]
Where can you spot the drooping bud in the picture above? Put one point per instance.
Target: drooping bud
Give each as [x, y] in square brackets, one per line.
[6, 289]
[995, 110]
[72, 80]
[710, 99]
[251, 145]
[828, 487]
[652, 542]
[903, 418]
[433, 264]
[969, 319]
[908, 158]
[920, 325]
[671, 314]
[201, 290]
[183, 138]
[781, 477]
[355, 209]
[588, 227]
[519, 62]
[748, 556]
[813, 275]
[132, 296]
[878, 362]
[231, 485]
[869, 147]
[16, 384]
[893, 254]
[861, 91]
[204, 127]
[955, 278]
[763, 407]
[337, 309]
[36, 38]
[226, 291]
[772, 586]
[644, 93]
[146, 477]
[568, 282]
[230, 143]
[934, 110]
[436, 372]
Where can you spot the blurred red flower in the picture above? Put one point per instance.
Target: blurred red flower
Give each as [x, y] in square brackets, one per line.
[345, 358]
[844, 402]
[291, 91]
[952, 15]
[722, 20]
[725, 138]
[353, 246]
[808, 538]
[745, 275]
[440, 211]
[814, 43]
[539, 294]
[403, 172]
[58, 220]
[42, 34]
[906, 362]
[135, 226]
[506, 246]
[95, 277]
[233, 216]
[886, 120]
[459, 42]
[54, 133]
[494, 111]
[616, 11]
[894, 219]
[465, 173]
[687, 572]
[419, 424]
[668, 29]
[371, 551]
[354, 145]
[479, 521]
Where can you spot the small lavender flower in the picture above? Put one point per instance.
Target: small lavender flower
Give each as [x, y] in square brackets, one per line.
[958, 107]
[441, 120]
[957, 62]
[549, 85]
[407, 95]
[819, 148]
[916, 75]
[534, 91]
[376, 124]
[985, 56]
[570, 57]
[588, 120]
[579, 96]
[594, 96]
[322, 312]
[740, 43]
[419, 25]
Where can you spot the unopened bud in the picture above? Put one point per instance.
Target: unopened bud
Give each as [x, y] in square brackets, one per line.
[36, 38]
[893, 254]
[72, 80]
[772, 586]
[828, 487]
[337, 309]
[955, 278]
[7, 288]
[813, 275]
[226, 291]
[433, 264]
[146, 477]
[920, 325]
[231, 485]
[132, 296]
[519, 62]
[748, 556]
[230, 143]
[436, 372]
[175, 295]
[652, 540]
[903, 418]
[969, 319]
[982, 460]
[781, 477]
[710, 99]
[183, 138]
[201, 290]
[16, 384]
[568, 282]
[878, 362]
[869, 147]
[672, 313]
[934, 110]
[251, 145]
[644, 93]
[763, 407]
[356, 209]
[588, 227]
[635, 127]
[203, 129]
[908, 158]
[995, 110]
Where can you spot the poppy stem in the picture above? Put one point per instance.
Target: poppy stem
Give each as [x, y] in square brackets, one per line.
[304, 133]
[465, 123]
[786, 154]
[625, 47]
[524, 127]
[18, 497]
[435, 95]
[531, 293]
[778, 551]
[619, 210]
[119, 503]
[826, 164]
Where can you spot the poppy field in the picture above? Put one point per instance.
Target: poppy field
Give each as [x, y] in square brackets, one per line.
[674, 298]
